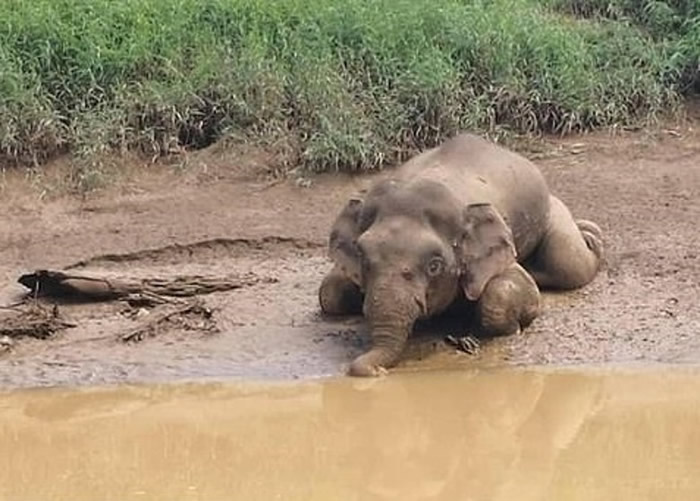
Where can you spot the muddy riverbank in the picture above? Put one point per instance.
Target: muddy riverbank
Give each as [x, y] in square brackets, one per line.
[222, 216]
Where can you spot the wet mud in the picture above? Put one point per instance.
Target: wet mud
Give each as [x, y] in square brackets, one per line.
[499, 434]
[208, 220]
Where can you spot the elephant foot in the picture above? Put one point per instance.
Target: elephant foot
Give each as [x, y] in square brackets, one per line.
[510, 302]
[468, 344]
[593, 236]
[339, 296]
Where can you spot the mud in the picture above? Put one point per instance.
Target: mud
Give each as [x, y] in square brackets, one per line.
[219, 218]
[482, 435]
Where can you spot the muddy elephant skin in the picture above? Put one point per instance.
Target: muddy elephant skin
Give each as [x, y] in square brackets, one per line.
[468, 220]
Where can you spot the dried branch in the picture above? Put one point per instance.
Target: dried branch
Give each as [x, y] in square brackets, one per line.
[156, 319]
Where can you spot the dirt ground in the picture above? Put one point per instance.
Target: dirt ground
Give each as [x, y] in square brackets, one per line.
[221, 216]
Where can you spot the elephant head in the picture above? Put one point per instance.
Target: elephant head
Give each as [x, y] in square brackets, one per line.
[411, 247]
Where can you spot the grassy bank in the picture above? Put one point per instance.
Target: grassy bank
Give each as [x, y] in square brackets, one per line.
[354, 84]
[673, 24]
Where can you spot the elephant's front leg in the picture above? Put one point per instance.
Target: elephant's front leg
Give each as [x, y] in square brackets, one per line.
[509, 303]
[338, 295]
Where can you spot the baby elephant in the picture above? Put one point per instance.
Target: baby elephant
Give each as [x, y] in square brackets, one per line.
[466, 220]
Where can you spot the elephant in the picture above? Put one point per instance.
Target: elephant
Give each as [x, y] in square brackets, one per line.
[466, 221]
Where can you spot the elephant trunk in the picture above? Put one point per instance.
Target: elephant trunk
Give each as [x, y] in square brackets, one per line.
[391, 320]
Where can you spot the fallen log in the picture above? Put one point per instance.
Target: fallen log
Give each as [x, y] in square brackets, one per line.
[57, 284]
[48, 283]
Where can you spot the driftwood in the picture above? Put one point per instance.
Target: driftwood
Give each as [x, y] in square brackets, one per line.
[178, 311]
[165, 298]
[31, 320]
[57, 284]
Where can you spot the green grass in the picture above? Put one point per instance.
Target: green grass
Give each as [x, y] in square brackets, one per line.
[674, 25]
[356, 84]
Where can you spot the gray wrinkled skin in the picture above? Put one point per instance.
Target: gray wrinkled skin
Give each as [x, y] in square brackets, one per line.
[468, 220]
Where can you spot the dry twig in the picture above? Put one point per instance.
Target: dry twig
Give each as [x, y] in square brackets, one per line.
[31, 320]
[156, 319]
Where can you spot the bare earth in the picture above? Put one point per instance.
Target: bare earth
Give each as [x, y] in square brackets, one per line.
[221, 216]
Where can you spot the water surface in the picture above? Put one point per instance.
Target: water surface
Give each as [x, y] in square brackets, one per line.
[504, 434]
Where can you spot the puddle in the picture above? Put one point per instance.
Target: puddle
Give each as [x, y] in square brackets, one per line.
[505, 434]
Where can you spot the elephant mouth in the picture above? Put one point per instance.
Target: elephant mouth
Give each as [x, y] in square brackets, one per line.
[422, 308]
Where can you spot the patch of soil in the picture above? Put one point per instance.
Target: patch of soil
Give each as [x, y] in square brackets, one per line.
[218, 218]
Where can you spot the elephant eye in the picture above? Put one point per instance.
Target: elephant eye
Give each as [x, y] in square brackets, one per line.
[435, 266]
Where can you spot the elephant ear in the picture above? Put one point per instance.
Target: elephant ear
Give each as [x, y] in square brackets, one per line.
[343, 249]
[487, 248]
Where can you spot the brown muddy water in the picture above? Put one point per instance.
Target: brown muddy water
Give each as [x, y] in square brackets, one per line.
[505, 434]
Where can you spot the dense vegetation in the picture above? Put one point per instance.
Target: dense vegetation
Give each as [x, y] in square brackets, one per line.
[674, 24]
[352, 84]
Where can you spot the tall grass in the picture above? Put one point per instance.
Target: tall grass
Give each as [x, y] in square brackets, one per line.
[673, 24]
[355, 84]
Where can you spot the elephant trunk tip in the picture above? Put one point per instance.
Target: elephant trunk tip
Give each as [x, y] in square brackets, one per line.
[362, 367]
[383, 355]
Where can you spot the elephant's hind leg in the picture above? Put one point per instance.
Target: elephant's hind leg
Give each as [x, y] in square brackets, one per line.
[570, 254]
[338, 295]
